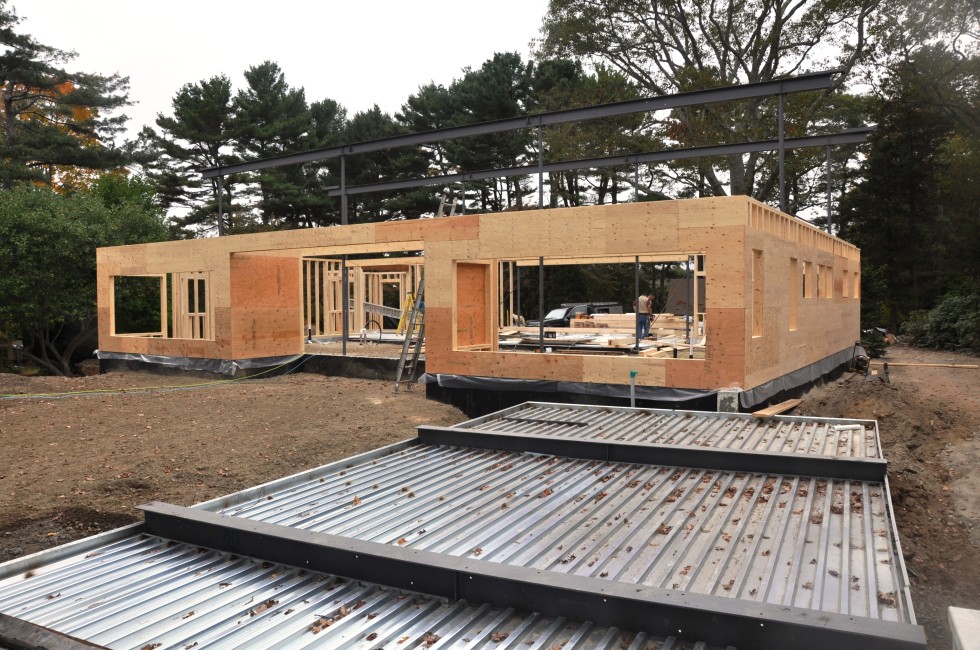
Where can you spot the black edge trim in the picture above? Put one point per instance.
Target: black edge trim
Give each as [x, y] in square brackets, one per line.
[662, 612]
[854, 469]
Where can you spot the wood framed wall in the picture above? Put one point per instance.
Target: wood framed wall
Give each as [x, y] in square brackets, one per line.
[765, 314]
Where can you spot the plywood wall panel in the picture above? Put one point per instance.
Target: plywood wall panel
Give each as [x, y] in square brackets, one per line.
[712, 211]
[266, 307]
[472, 306]
[724, 229]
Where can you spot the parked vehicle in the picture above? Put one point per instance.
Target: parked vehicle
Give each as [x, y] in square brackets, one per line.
[569, 311]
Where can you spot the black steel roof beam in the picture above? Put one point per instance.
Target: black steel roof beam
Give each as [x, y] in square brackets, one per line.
[730, 460]
[662, 612]
[813, 81]
[852, 136]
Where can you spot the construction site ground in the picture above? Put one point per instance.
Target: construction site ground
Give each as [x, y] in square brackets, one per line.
[76, 465]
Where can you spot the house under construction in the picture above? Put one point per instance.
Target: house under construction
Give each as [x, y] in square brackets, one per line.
[780, 302]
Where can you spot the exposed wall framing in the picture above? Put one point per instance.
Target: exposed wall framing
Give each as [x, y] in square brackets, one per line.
[265, 292]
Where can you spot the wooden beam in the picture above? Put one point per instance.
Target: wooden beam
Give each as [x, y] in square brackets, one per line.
[776, 409]
[966, 366]
[606, 259]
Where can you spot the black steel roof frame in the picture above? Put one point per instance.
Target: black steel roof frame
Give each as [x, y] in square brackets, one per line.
[802, 83]
[718, 620]
[850, 136]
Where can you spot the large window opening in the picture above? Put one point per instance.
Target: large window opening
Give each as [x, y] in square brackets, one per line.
[170, 305]
[381, 289]
[591, 306]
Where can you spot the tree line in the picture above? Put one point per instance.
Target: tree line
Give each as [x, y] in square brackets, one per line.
[908, 198]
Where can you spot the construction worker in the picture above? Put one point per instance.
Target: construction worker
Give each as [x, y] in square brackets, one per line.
[641, 306]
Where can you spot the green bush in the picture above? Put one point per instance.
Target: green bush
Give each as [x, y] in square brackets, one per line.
[953, 324]
[916, 328]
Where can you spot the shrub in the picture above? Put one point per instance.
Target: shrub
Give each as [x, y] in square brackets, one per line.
[953, 324]
[873, 343]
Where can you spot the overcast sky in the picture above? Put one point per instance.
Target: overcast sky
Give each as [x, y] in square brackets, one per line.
[359, 53]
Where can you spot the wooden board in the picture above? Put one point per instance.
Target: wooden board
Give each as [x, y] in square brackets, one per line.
[776, 409]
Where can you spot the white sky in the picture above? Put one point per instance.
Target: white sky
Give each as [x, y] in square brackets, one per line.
[359, 53]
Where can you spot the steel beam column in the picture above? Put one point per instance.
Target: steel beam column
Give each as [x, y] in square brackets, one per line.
[851, 136]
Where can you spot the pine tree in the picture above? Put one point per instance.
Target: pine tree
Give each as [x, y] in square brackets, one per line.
[52, 118]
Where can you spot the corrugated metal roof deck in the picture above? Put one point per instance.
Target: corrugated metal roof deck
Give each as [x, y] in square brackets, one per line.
[784, 540]
[794, 435]
[146, 592]
[555, 506]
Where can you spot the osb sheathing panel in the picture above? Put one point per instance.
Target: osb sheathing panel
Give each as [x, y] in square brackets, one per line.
[589, 232]
[197, 348]
[825, 326]
[723, 246]
[717, 227]
[266, 309]
[712, 212]
[472, 295]
[724, 362]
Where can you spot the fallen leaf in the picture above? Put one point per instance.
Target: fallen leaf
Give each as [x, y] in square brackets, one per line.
[497, 637]
[264, 606]
[321, 624]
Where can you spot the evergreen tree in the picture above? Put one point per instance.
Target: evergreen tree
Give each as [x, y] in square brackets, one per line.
[195, 137]
[52, 118]
[392, 164]
[499, 89]
[918, 228]
[272, 119]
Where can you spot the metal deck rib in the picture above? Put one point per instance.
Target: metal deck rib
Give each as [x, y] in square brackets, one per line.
[144, 590]
[780, 434]
[780, 540]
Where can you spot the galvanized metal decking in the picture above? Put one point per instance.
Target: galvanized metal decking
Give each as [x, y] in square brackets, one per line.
[143, 590]
[771, 533]
[768, 538]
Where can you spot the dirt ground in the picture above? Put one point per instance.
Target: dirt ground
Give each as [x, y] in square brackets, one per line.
[75, 465]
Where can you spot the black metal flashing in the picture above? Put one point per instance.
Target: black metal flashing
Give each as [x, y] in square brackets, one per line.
[718, 620]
